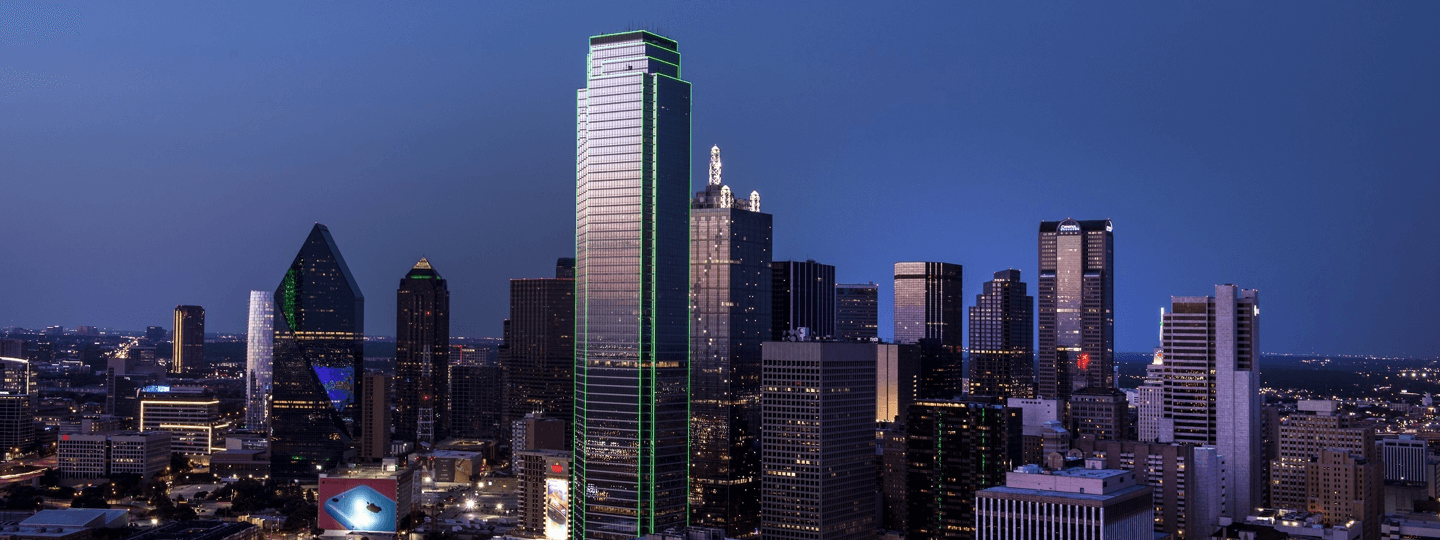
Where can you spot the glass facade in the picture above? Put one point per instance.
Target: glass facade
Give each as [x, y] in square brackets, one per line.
[319, 330]
[189, 342]
[928, 311]
[857, 311]
[631, 277]
[1002, 327]
[955, 449]
[802, 296]
[730, 278]
[259, 352]
[1076, 307]
[422, 356]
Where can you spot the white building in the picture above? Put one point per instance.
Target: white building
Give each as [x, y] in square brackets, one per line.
[1089, 503]
[259, 361]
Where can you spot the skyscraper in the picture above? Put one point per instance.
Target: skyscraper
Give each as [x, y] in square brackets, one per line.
[477, 400]
[631, 264]
[539, 352]
[1210, 348]
[857, 311]
[955, 448]
[189, 342]
[259, 355]
[17, 408]
[802, 296]
[1076, 307]
[730, 279]
[422, 356]
[1002, 329]
[928, 311]
[375, 415]
[319, 333]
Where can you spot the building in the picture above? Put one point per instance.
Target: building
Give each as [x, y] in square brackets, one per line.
[730, 272]
[802, 302]
[241, 463]
[1315, 426]
[897, 380]
[1186, 500]
[66, 524]
[818, 441]
[449, 466]
[191, 415]
[259, 360]
[1280, 523]
[1072, 504]
[890, 450]
[954, 449]
[100, 455]
[319, 330]
[17, 408]
[155, 334]
[539, 353]
[189, 342]
[1410, 527]
[1076, 307]
[928, 312]
[538, 432]
[375, 416]
[631, 305]
[857, 311]
[1345, 487]
[1211, 355]
[543, 478]
[1034, 414]
[369, 499]
[477, 401]
[201, 530]
[1150, 400]
[1405, 459]
[1100, 413]
[1002, 346]
[422, 356]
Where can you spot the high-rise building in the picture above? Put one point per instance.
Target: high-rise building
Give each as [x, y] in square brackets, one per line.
[1405, 459]
[1187, 499]
[954, 449]
[1211, 354]
[189, 342]
[1035, 413]
[319, 332]
[538, 432]
[375, 416]
[893, 477]
[631, 290]
[1345, 487]
[730, 280]
[155, 334]
[802, 297]
[1150, 400]
[929, 307]
[12, 348]
[422, 356]
[1099, 413]
[818, 412]
[1315, 426]
[539, 352]
[191, 415]
[1071, 504]
[259, 355]
[477, 400]
[1002, 345]
[17, 408]
[897, 380]
[1076, 307]
[857, 311]
[542, 480]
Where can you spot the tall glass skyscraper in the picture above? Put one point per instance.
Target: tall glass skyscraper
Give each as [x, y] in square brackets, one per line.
[319, 332]
[730, 279]
[929, 310]
[422, 356]
[189, 339]
[632, 184]
[1076, 307]
[802, 295]
[259, 352]
[1002, 329]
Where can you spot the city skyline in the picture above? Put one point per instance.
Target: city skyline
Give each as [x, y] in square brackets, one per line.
[1121, 89]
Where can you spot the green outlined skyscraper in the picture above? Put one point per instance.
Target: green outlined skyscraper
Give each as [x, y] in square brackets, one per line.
[632, 183]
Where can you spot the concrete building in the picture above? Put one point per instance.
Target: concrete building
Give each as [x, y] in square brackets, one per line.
[1002, 345]
[543, 480]
[99, 455]
[1405, 459]
[1271, 523]
[191, 415]
[66, 524]
[1150, 400]
[1186, 499]
[376, 406]
[897, 380]
[1345, 487]
[1099, 413]
[1072, 504]
[1075, 307]
[1315, 426]
[1034, 413]
[536, 431]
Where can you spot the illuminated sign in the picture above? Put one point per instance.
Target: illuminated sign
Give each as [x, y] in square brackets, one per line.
[557, 468]
[1069, 227]
[1084, 361]
[557, 509]
[358, 504]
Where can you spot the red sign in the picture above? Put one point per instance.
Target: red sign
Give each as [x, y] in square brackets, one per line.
[1084, 361]
[557, 468]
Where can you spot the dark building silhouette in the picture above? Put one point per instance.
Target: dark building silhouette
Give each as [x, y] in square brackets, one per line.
[1002, 330]
[857, 311]
[188, 350]
[376, 416]
[802, 296]
[929, 309]
[1076, 310]
[155, 334]
[730, 280]
[955, 448]
[477, 401]
[422, 356]
[319, 333]
[538, 357]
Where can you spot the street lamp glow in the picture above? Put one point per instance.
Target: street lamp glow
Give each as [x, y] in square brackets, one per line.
[470, 504]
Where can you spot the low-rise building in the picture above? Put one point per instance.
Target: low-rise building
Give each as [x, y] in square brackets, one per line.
[1088, 503]
[202, 530]
[68, 524]
[99, 455]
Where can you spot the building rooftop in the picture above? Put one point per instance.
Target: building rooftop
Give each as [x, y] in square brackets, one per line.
[194, 530]
[77, 517]
[1066, 494]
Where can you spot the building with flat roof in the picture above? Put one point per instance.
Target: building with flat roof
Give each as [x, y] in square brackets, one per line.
[365, 499]
[857, 311]
[202, 530]
[190, 414]
[1187, 501]
[1088, 503]
[66, 524]
[99, 455]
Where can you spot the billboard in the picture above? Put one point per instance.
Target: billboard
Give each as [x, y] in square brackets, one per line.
[358, 504]
[557, 509]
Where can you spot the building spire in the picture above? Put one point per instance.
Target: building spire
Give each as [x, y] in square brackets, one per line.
[715, 165]
[422, 265]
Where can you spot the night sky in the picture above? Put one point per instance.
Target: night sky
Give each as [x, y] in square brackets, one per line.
[154, 154]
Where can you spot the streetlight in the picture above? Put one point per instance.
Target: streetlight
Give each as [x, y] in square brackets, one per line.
[469, 504]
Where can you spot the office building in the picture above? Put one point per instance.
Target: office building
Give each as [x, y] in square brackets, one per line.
[539, 432]
[319, 329]
[1315, 426]
[893, 477]
[1035, 414]
[1187, 499]
[730, 280]
[802, 302]
[188, 351]
[1071, 504]
[1099, 413]
[12, 348]
[928, 312]
[100, 455]
[539, 352]
[1345, 487]
[1150, 400]
[375, 416]
[1211, 355]
[422, 356]
[17, 408]
[897, 380]
[69, 524]
[953, 450]
[259, 355]
[155, 334]
[477, 401]
[857, 311]
[1076, 307]
[542, 479]
[191, 415]
[1405, 459]
[631, 278]
[818, 441]
[1002, 330]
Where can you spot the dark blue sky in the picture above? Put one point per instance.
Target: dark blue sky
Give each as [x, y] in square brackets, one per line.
[154, 154]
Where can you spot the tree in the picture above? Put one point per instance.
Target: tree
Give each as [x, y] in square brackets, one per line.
[179, 464]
